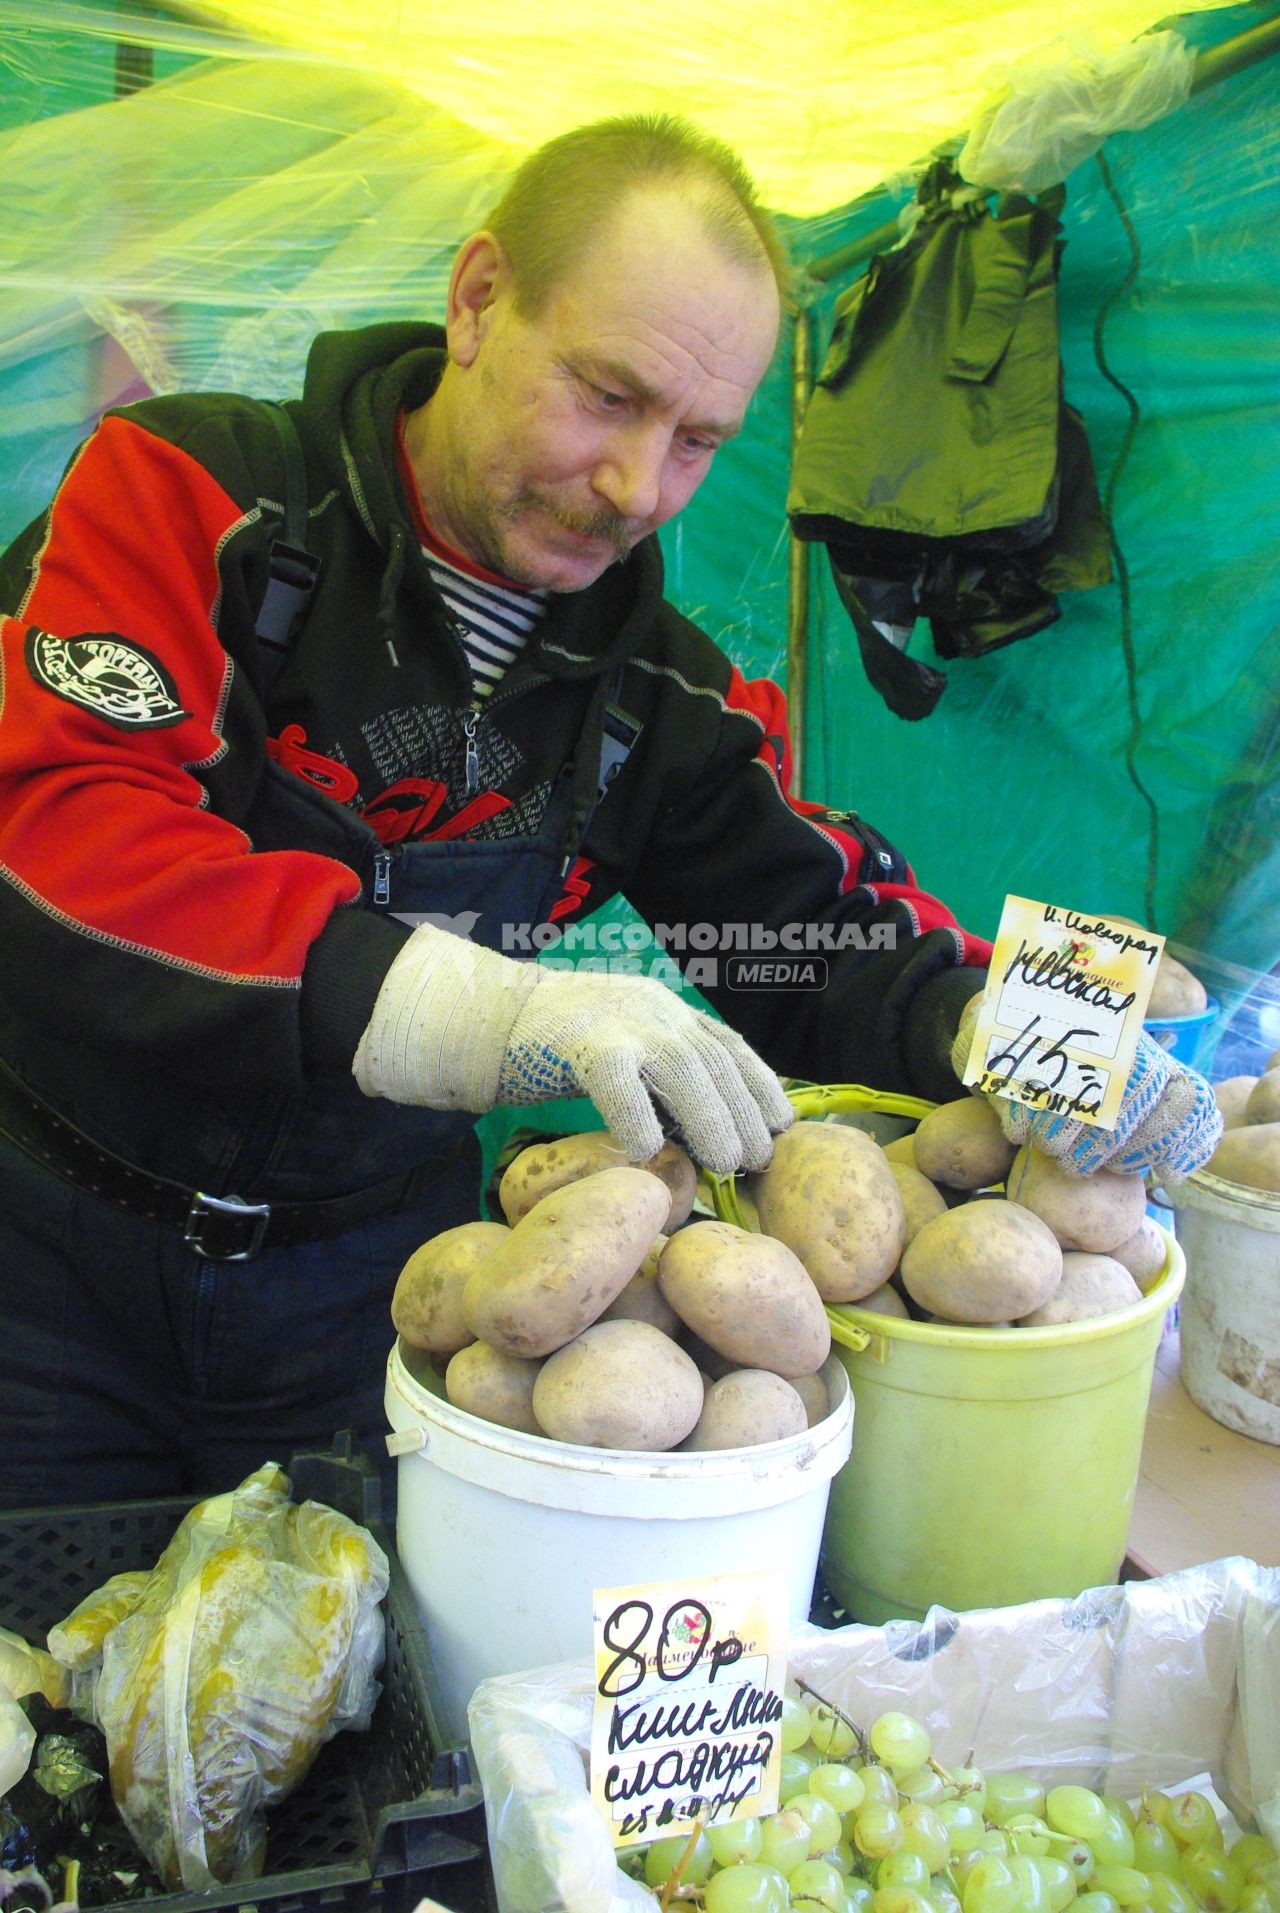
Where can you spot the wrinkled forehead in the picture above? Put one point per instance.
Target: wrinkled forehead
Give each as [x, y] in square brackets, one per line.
[660, 288]
[695, 226]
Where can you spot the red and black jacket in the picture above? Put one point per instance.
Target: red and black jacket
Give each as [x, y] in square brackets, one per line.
[187, 856]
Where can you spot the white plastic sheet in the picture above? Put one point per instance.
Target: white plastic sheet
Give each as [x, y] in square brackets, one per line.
[17, 1738]
[1061, 102]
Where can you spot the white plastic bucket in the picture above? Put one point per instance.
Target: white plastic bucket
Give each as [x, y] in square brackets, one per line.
[1230, 1318]
[505, 1537]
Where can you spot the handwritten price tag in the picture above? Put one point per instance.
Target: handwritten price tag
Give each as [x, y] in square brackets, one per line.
[1059, 1025]
[689, 1684]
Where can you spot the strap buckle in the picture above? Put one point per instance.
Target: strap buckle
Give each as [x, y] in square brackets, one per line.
[226, 1228]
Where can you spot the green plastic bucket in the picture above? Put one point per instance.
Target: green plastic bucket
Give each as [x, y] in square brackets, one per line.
[989, 1466]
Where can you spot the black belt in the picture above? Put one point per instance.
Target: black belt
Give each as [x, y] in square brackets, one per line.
[220, 1228]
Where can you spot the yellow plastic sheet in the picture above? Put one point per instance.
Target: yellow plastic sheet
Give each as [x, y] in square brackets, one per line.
[823, 100]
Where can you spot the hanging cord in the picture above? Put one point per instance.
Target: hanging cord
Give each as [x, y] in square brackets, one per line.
[1122, 569]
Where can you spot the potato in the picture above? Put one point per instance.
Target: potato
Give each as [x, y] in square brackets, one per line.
[921, 1199]
[619, 1385]
[812, 1391]
[642, 1300]
[1176, 992]
[986, 1262]
[749, 1296]
[750, 1406]
[1249, 1156]
[1085, 1212]
[901, 1149]
[546, 1166]
[962, 1145]
[1144, 1254]
[830, 1195]
[1263, 1105]
[565, 1260]
[427, 1304]
[496, 1387]
[1090, 1285]
[885, 1300]
[1231, 1095]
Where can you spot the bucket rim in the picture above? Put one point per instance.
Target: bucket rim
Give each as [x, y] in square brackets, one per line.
[636, 1464]
[1222, 1198]
[1188, 1020]
[1160, 1296]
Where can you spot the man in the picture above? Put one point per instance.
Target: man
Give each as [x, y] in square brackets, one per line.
[238, 1080]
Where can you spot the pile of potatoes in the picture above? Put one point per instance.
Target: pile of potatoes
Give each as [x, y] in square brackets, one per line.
[604, 1312]
[599, 1313]
[1249, 1152]
[952, 1223]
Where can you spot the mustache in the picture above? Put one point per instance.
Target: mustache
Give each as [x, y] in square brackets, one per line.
[602, 522]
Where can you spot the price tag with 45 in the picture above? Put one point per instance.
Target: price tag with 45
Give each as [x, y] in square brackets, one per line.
[1062, 1013]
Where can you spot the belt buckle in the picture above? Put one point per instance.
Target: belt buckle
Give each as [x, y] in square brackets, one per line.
[211, 1216]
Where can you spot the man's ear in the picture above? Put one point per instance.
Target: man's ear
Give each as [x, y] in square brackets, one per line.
[481, 276]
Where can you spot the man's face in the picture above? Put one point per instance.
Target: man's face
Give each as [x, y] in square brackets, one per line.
[579, 431]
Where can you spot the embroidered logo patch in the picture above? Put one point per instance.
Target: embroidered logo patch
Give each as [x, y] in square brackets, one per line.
[120, 682]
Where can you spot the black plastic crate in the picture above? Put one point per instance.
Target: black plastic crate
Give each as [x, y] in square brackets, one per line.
[383, 1819]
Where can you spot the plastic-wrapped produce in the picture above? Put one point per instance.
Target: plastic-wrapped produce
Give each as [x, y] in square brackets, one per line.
[256, 1637]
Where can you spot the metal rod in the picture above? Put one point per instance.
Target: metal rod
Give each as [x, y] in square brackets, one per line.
[798, 566]
[1216, 63]
[856, 253]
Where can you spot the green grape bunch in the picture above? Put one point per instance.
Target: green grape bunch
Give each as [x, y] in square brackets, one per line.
[870, 1822]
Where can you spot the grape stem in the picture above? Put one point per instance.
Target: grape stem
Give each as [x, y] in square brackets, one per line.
[671, 1885]
[839, 1713]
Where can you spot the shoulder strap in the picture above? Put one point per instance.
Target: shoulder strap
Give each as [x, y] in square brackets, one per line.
[294, 569]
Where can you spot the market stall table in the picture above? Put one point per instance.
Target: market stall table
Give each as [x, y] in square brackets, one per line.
[1204, 1492]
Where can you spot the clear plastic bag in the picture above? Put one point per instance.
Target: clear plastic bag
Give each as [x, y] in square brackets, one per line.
[30, 1670]
[17, 1738]
[23, 1670]
[1058, 105]
[1151, 1683]
[255, 1638]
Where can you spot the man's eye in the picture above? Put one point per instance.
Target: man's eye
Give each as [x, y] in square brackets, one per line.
[609, 401]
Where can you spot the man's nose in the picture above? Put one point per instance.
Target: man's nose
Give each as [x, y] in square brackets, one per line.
[629, 473]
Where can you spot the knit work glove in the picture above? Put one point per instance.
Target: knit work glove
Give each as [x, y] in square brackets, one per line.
[456, 1026]
[1167, 1126]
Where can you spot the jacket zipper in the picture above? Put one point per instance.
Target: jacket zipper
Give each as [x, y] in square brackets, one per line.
[469, 723]
[382, 862]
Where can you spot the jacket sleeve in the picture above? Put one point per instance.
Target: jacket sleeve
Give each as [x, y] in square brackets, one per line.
[874, 969]
[133, 904]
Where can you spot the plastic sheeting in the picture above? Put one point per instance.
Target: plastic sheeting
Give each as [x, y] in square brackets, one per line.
[823, 102]
[1057, 107]
[1154, 1684]
[1128, 757]
[198, 229]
